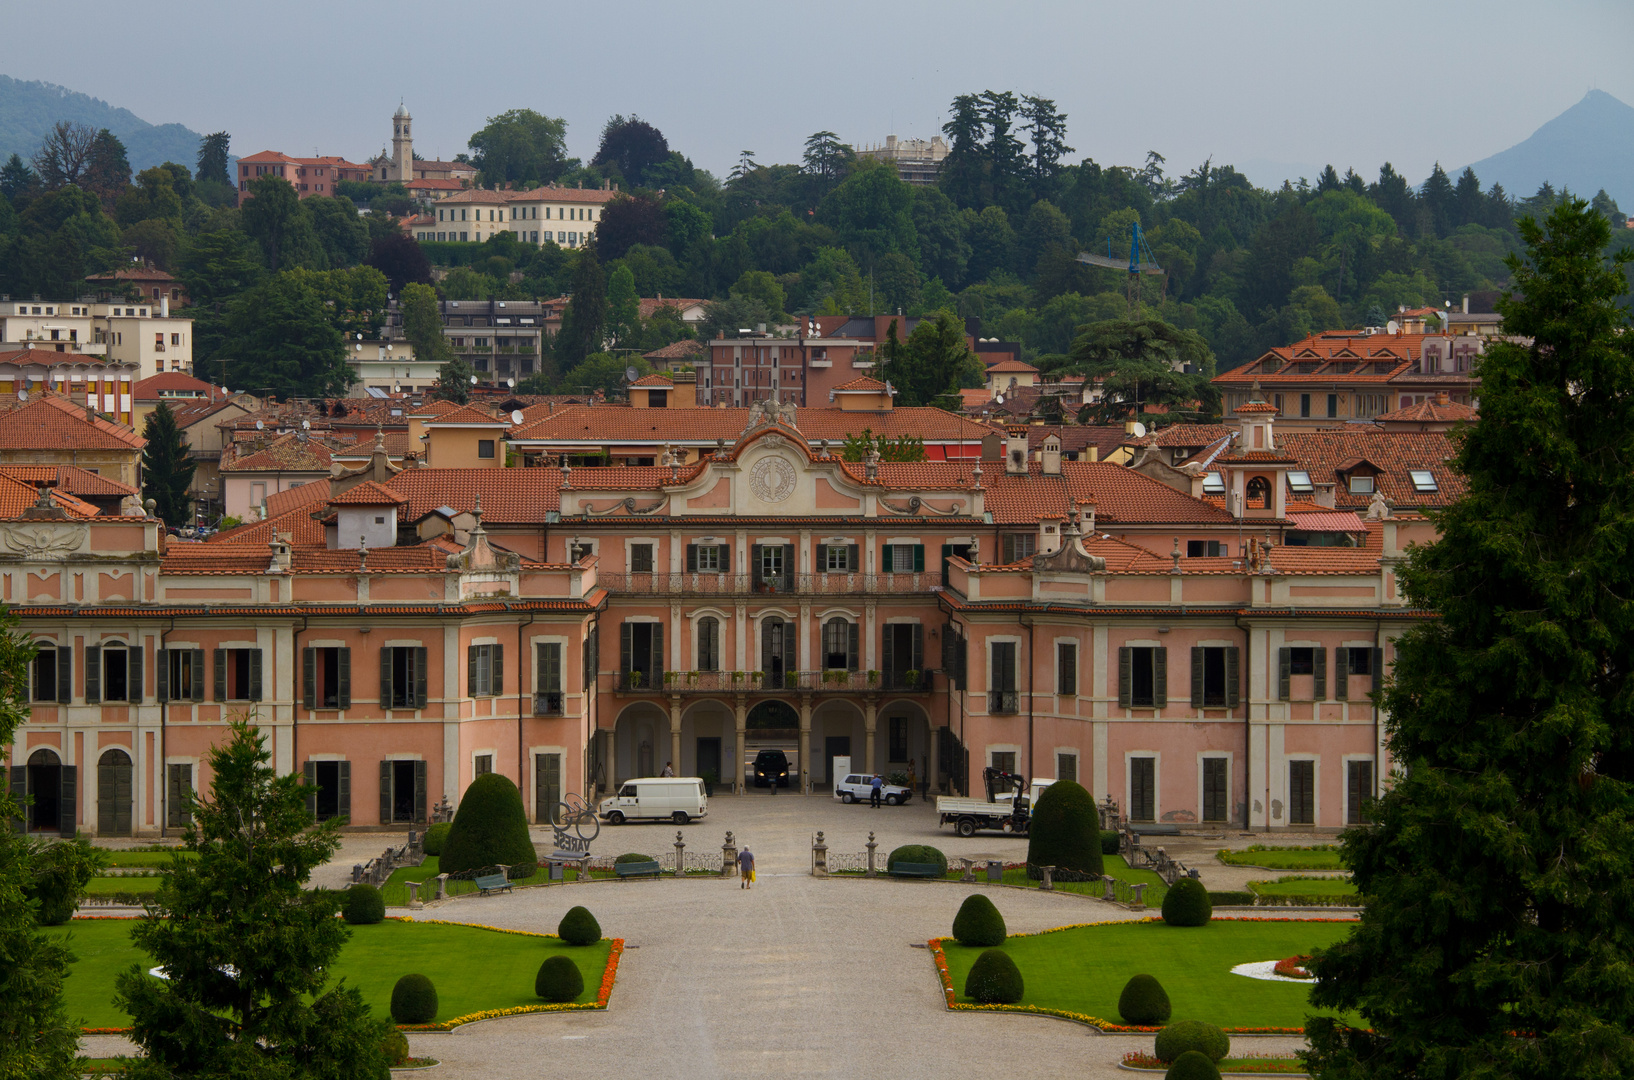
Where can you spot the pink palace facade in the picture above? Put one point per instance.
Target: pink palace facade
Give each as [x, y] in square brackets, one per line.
[1197, 642]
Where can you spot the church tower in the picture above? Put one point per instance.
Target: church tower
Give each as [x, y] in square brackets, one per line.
[402, 145]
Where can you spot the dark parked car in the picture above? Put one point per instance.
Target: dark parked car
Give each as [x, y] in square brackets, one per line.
[771, 767]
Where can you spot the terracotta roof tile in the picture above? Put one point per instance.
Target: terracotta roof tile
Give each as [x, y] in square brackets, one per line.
[1184, 435]
[1326, 521]
[49, 422]
[679, 350]
[16, 497]
[290, 453]
[655, 380]
[860, 385]
[175, 385]
[1395, 453]
[369, 493]
[509, 496]
[466, 414]
[53, 358]
[1006, 367]
[68, 478]
[310, 494]
[577, 424]
[1430, 412]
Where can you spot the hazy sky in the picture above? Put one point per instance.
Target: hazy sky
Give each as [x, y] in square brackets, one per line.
[1296, 82]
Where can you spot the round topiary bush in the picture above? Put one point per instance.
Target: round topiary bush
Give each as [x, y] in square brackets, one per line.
[1192, 1066]
[414, 1000]
[633, 856]
[362, 905]
[978, 922]
[396, 1047]
[1187, 904]
[436, 836]
[558, 980]
[994, 979]
[1109, 841]
[489, 828]
[579, 927]
[1065, 832]
[916, 853]
[1144, 1002]
[1183, 1035]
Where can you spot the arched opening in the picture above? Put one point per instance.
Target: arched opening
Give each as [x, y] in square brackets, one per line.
[840, 639]
[773, 714]
[113, 794]
[1259, 493]
[902, 745]
[641, 742]
[45, 784]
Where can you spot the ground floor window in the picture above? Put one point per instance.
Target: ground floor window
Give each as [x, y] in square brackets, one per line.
[1302, 792]
[1142, 789]
[1216, 789]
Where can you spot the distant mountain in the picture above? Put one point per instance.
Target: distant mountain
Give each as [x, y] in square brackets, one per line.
[28, 109]
[1588, 147]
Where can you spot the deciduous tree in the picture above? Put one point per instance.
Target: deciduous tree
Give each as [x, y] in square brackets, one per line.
[401, 259]
[1141, 362]
[167, 472]
[632, 146]
[1499, 921]
[64, 154]
[281, 337]
[520, 146]
[275, 218]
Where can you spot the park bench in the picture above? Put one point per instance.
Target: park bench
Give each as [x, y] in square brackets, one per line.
[637, 869]
[488, 883]
[916, 869]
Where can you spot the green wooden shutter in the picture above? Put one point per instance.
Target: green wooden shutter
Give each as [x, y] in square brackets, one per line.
[887, 654]
[788, 567]
[498, 675]
[1125, 675]
[1284, 673]
[386, 701]
[219, 662]
[309, 777]
[65, 675]
[343, 665]
[471, 673]
[658, 654]
[919, 558]
[821, 565]
[93, 674]
[135, 662]
[68, 807]
[1319, 667]
[420, 679]
[1007, 544]
[196, 659]
[309, 678]
[1341, 673]
[625, 633]
[791, 655]
[853, 557]
[345, 796]
[692, 558]
[1196, 677]
[385, 793]
[1068, 652]
[1233, 677]
[887, 564]
[255, 675]
[726, 558]
[419, 793]
[765, 661]
[754, 563]
[853, 634]
[1160, 678]
[1378, 668]
[19, 798]
[918, 660]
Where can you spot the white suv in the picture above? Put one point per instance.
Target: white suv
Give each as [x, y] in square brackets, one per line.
[859, 787]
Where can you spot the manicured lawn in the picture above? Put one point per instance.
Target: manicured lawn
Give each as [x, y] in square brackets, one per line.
[396, 892]
[1285, 858]
[102, 886]
[1304, 886]
[473, 969]
[1083, 970]
[146, 860]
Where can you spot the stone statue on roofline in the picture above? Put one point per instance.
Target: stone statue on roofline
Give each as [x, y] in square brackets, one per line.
[1378, 509]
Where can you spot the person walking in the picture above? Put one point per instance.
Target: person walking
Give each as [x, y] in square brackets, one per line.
[746, 868]
[874, 791]
[669, 769]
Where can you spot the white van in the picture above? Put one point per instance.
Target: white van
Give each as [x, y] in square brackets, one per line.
[656, 798]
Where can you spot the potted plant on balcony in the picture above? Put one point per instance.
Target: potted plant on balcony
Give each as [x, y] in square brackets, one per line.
[911, 678]
[737, 677]
[756, 676]
[873, 677]
[692, 678]
[635, 680]
[835, 676]
[670, 677]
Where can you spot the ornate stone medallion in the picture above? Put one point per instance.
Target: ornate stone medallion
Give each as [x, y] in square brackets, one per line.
[771, 480]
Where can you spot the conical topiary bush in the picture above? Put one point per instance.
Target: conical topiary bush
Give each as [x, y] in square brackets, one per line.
[558, 980]
[994, 979]
[490, 828]
[1065, 832]
[978, 922]
[579, 927]
[1144, 1002]
[1187, 904]
[1192, 1066]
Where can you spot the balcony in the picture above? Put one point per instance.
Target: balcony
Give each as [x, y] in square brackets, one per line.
[716, 584]
[1003, 701]
[832, 681]
[549, 703]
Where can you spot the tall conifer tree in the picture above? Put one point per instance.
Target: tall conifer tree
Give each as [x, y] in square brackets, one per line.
[166, 471]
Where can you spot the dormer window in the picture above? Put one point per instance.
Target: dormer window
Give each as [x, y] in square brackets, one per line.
[1213, 484]
[1299, 482]
[1423, 480]
[1361, 485]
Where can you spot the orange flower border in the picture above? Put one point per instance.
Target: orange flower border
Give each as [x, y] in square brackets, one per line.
[955, 1005]
[604, 992]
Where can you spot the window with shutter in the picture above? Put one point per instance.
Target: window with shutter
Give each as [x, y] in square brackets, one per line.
[178, 790]
[1160, 678]
[1066, 668]
[93, 674]
[1302, 792]
[709, 630]
[1001, 687]
[1211, 677]
[1319, 673]
[1358, 791]
[547, 689]
[1142, 789]
[1284, 674]
[196, 679]
[1142, 677]
[1216, 789]
[1233, 677]
[1341, 673]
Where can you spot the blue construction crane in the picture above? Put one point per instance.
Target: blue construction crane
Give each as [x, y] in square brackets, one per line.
[1135, 265]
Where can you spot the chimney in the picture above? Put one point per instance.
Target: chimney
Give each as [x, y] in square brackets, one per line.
[164, 306]
[1015, 462]
[1051, 456]
[685, 394]
[1441, 398]
[1466, 303]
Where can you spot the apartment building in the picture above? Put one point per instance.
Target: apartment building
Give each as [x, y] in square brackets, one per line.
[308, 176]
[917, 161]
[564, 216]
[145, 335]
[500, 339]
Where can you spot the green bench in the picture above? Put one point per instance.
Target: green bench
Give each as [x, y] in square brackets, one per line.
[637, 869]
[916, 869]
[488, 883]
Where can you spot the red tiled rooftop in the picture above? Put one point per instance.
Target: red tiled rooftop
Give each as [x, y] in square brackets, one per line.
[861, 385]
[369, 493]
[51, 422]
[290, 453]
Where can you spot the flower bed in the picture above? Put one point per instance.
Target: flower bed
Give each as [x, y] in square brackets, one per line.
[1144, 1061]
[1294, 968]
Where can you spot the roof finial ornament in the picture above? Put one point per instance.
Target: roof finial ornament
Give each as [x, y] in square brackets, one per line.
[476, 511]
[976, 477]
[363, 553]
[1175, 554]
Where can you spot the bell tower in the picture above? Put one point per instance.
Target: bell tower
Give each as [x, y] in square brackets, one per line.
[402, 145]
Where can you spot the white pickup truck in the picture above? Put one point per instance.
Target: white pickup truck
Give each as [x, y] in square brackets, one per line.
[1000, 813]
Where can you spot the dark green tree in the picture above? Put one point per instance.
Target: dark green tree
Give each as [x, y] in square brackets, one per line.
[490, 829]
[274, 217]
[520, 146]
[1141, 362]
[1499, 921]
[37, 1037]
[1439, 199]
[213, 149]
[401, 259]
[1046, 128]
[963, 172]
[826, 160]
[216, 267]
[167, 472]
[631, 146]
[339, 231]
[18, 182]
[281, 337]
[584, 322]
[935, 361]
[245, 945]
[905, 448]
[107, 169]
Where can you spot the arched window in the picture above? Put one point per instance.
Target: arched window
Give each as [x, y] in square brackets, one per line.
[840, 644]
[709, 636]
[1259, 493]
[113, 793]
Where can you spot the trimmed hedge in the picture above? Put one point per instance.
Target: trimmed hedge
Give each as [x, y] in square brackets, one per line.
[558, 979]
[994, 979]
[978, 922]
[1144, 1002]
[436, 836]
[1230, 898]
[633, 856]
[1192, 1066]
[1184, 1035]
[414, 1000]
[579, 927]
[1109, 841]
[916, 853]
[1187, 904]
[490, 828]
[362, 905]
[1065, 832]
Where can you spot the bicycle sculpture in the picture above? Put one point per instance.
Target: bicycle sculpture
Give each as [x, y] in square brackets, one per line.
[575, 814]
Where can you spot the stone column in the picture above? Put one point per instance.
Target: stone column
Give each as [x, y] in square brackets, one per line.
[805, 744]
[675, 732]
[741, 709]
[870, 718]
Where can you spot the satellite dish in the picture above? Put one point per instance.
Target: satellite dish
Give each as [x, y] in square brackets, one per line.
[629, 374]
[1140, 430]
[259, 426]
[516, 416]
[22, 395]
[999, 399]
[306, 425]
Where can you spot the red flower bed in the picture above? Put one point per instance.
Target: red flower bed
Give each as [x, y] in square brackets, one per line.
[1294, 968]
